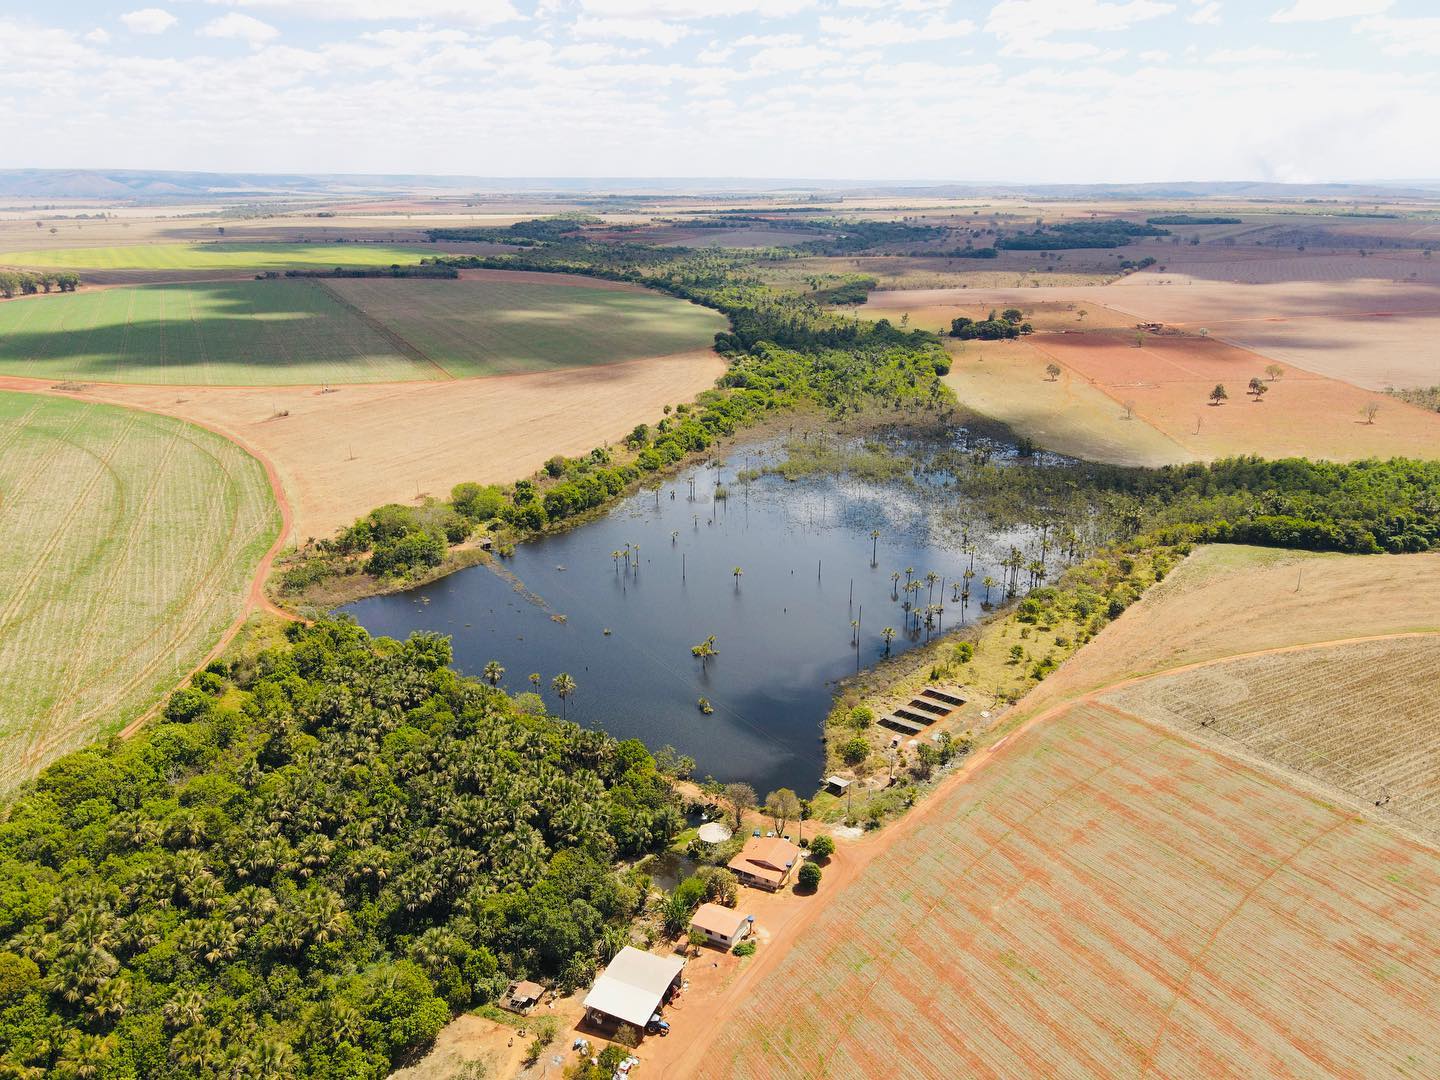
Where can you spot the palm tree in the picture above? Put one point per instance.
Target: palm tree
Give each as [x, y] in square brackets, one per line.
[185, 1009]
[564, 686]
[616, 556]
[889, 635]
[895, 585]
[705, 650]
[324, 917]
[535, 680]
[736, 574]
[989, 583]
[874, 544]
[110, 1000]
[493, 672]
[930, 579]
[267, 1061]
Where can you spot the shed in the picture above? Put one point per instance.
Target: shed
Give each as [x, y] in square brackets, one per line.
[836, 785]
[524, 996]
[721, 925]
[634, 986]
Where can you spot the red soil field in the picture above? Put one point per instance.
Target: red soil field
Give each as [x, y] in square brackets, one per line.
[1364, 321]
[1171, 376]
[1103, 897]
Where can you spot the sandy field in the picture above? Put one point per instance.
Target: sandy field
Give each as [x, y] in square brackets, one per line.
[1170, 378]
[933, 309]
[1228, 599]
[1007, 379]
[339, 455]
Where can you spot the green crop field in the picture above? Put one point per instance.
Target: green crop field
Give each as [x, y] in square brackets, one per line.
[306, 331]
[127, 544]
[221, 256]
[493, 327]
[212, 333]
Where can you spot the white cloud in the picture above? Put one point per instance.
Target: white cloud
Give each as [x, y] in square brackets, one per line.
[1155, 56]
[98, 36]
[1320, 10]
[898, 5]
[1041, 49]
[1254, 54]
[792, 58]
[234, 25]
[654, 30]
[1024, 27]
[858, 33]
[148, 21]
[715, 53]
[1206, 13]
[694, 9]
[1403, 37]
[1013, 19]
[758, 41]
[463, 12]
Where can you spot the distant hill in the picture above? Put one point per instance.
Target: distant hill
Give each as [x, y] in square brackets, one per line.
[140, 185]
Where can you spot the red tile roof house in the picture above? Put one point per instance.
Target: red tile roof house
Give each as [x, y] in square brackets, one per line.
[765, 862]
[721, 925]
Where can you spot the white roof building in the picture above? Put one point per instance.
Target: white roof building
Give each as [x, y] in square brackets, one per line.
[634, 985]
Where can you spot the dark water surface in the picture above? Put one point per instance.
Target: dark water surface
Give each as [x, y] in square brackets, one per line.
[782, 629]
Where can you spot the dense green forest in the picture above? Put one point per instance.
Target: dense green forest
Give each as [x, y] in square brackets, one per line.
[309, 865]
[1079, 234]
[1192, 219]
[1363, 507]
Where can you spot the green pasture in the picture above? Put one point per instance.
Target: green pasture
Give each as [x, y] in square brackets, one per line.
[221, 256]
[490, 327]
[127, 544]
[307, 331]
[231, 333]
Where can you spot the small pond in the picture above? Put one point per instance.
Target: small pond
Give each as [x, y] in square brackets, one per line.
[623, 627]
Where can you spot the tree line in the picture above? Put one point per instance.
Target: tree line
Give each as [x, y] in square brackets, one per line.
[23, 283]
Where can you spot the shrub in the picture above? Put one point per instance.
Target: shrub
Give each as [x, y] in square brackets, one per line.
[854, 751]
[809, 877]
[861, 717]
[744, 948]
[187, 704]
[964, 652]
[822, 847]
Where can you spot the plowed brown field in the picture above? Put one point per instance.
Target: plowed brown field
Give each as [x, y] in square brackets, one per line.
[1359, 718]
[1109, 899]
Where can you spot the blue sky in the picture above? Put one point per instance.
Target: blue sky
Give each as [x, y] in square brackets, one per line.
[1020, 90]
